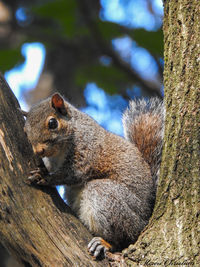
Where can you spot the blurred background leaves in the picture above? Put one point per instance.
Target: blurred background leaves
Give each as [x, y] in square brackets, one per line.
[86, 41]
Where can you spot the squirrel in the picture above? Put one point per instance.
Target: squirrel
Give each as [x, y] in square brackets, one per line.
[110, 180]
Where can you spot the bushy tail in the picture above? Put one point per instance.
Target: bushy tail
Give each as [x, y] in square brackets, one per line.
[143, 125]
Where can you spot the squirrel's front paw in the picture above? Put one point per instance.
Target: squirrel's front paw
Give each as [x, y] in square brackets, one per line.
[36, 177]
[98, 247]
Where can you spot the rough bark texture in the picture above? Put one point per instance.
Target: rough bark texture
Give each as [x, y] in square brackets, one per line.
[172, 236]
[35, 224]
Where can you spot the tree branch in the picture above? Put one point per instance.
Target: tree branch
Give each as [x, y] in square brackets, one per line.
[36, 226]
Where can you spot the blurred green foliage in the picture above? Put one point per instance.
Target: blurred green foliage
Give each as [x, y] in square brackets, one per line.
[77, 24]
[151, 40]
[63, 12]
[105, 77]
[9, 58]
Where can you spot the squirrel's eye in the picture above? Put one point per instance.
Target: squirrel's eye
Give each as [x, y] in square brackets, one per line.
[53, 123]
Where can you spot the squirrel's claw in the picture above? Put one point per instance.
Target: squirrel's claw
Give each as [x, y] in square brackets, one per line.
[98, 247]
[36, 177]
[36, 171]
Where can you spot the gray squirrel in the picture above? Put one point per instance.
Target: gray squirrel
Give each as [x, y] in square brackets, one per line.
[110, 181]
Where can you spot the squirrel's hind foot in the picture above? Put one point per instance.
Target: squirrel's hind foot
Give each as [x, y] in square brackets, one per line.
[98, 247]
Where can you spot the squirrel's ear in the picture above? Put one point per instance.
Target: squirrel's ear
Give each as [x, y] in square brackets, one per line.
[57, 102]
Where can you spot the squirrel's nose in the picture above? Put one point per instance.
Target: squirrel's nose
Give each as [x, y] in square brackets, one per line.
[39, 150]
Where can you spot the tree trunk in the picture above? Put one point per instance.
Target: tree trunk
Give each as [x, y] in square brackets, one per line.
[172, 236]
[35, 224]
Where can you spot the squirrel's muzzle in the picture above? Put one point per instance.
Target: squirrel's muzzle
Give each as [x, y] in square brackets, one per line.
[39, 149]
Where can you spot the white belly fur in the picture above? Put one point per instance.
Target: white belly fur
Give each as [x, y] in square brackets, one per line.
[78, 201]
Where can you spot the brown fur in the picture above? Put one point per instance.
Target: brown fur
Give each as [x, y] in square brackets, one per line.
[144, 126]
[144, 132]
[108, 179]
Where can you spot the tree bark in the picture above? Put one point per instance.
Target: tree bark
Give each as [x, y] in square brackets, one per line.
[172, 236]
[36, 226]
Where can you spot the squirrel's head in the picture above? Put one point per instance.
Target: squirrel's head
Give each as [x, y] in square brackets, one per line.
[48, 126]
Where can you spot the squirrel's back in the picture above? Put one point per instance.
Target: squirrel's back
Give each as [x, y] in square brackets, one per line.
[143, 125]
